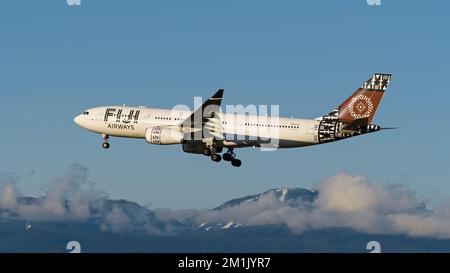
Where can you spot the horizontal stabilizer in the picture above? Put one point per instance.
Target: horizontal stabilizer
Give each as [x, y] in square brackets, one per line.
[355, 125]
[388, 128]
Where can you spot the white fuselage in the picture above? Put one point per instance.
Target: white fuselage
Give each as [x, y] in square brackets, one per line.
[208, 131]
[238, 130]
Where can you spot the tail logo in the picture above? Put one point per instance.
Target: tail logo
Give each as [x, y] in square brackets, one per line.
[360, 107]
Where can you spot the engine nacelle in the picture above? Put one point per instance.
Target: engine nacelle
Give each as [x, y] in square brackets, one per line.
[164, 136]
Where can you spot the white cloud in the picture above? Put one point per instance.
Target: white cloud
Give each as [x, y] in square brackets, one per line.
[347, 193]
[66, 199]
[8, 195]
[73, 197]
[116, 221]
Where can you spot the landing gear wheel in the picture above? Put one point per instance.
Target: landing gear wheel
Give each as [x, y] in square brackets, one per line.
[105, 144]
[207, 152]
[227, 157]
[216, 157]
[236, 162]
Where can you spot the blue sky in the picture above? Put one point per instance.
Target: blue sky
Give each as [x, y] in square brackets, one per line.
[306, 56]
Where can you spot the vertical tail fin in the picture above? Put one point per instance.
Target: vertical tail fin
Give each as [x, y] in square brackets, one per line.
[364, 102]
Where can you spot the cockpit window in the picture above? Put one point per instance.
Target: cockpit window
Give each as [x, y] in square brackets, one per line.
[86, 113]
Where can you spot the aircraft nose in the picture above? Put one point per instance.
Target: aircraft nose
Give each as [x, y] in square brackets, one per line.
[77, 120]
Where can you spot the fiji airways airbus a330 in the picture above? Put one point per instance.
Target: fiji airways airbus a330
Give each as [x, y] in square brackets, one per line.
[208, 130]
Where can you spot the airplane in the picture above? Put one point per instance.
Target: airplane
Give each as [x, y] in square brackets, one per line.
[208, 131]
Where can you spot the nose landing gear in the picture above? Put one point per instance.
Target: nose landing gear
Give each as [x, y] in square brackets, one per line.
[105, 144]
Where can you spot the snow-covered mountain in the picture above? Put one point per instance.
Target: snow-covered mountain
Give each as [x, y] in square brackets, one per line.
[283, 195]
[122, 216]
[293, 197]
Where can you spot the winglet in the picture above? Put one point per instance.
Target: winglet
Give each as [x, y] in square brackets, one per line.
[210, 106]
[218, 94]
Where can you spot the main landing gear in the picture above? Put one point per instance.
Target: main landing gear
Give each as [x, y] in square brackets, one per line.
[213, 153]
[105, 144]
[229, 156]
[216, 157]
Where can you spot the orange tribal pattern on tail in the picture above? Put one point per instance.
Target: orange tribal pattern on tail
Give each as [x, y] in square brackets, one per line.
[364, 102]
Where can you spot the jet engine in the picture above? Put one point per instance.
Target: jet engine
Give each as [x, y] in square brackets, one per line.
[164, 136]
